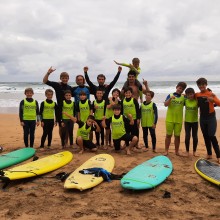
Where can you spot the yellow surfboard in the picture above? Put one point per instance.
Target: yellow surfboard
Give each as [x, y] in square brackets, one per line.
[80, 181]
[40, 166]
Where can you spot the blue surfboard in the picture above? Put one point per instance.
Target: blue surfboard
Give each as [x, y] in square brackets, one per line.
[148, 174]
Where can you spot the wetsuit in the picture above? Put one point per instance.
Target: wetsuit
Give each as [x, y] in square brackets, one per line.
[48, 109]
[149, 117]
[76, 91]
[208, 121]
[28, 113]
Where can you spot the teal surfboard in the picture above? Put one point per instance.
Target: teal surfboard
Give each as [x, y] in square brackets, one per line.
[148, 174]
[15, 157]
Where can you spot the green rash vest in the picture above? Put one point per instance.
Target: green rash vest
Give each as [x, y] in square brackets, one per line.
[49, 110]
[191, 110]
[84, 110]
[138, 70]
[29, 112]
[99, 112]
[118, 127]
[83, 132]
[147, 115]
[68, 108]
[129, 108]
[175, 109]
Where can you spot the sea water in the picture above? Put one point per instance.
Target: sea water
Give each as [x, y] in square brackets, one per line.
[11, 93]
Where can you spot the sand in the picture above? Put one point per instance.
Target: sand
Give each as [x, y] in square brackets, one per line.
[192, 197]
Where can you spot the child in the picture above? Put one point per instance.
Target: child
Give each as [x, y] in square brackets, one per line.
[99, 106]
[83, 107]
[149, 116]
[83, 132]
[67, 124]
[47, 110]
[118, 124]
[191, 120]
[206, 101]
[28, 112]
[109, 113]
[130, 106]
[174, 117]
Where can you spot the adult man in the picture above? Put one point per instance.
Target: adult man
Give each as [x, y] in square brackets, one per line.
[101, 81]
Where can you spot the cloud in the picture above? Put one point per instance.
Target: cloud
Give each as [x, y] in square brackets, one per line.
[172, 40]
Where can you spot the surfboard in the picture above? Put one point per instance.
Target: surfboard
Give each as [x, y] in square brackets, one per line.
[148, 174]
[208, 170]
[15, 157]
[39, 167]
[80, 181]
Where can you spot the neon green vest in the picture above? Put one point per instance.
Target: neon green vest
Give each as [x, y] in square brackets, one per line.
[147, 115]
[118, 127]
[84, 110]
[191, 110]
[29, 112]
[68, 108]
[129, 108]
[99, 112]
[175, 110]
[83, 132]
[49, 109]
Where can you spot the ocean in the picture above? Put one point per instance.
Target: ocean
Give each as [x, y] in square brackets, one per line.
[11, 93]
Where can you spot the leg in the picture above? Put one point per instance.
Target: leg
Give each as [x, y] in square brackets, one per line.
[187, 136]
[133, 142]
[177, 131]
[70, 131]
[32, 132]
[26, 133]
[145, 136]
[167, 144]
[79, 142]
[50, 132]
[195, 137]
[153, 138]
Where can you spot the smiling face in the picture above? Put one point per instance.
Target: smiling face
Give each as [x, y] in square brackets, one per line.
[99, 95]
[80, 81]
[101, 80]
[29, 94]
[49, 95]
[202, 87]
[68, 96]
[179, 90]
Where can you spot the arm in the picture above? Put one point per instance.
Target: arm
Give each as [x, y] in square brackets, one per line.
[91, 85]
[168, 100]
[21, 110]
[74, 119]
[97, 126]
[155, 115]
[45, 79]
[104, 122]
[137, 109]
[131, 119]
[146, 87]
[111, 85]
[38, 113]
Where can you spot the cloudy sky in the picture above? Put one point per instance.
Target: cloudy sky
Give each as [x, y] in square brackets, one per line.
[173, 39]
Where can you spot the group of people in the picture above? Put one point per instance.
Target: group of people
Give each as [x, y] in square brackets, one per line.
[118, 116]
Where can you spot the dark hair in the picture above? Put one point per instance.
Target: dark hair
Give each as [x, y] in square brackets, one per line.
[48, 91]
[116, 90]
[28, 90]
[128, 89]
[91, 117]
[151, 93]
[101, 75]
[201, 81]
[135, 60]
[189, 91]
[82, 93]
[64, 74]
[98, 90]
[80, 76]
[132, 73]
[116, 107]
[182, 84]
[67, 91]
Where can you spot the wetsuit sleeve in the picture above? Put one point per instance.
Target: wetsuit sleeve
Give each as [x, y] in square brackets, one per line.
[77, 107]
[37, 111]
[137, 108]
[126, 122]
[80, 123]
[111, 85]
[91, 85]
[90, 104]
[21, 110]
[57, 115]
[155, 113]
[216, 101]
[168, 97]
[93, 107]
[41, 110]
[122, 109]
[73, 90]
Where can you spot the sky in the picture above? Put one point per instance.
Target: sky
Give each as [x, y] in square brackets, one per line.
[174, 40]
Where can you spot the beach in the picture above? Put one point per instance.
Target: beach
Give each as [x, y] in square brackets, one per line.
[192, 197]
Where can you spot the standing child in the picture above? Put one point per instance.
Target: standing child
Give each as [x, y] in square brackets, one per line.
[82, 139]
[130, 106]
[191, 120]
[174, 117]
[99, 107]
[149, 116]
[66, 123]
[206, 101]
[118, 124]
[48, 109]
[28, 113]
[109, 113]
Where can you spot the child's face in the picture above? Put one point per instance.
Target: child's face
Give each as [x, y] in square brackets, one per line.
[117, 111]
[136, 64]
[128, 94]
[29, 94]
[64, 79]
[49, 95]
[202, 87]
[179, 89]
[68, 96]
[190, 96]
[148, 97]
[99, 95]
[89, 122]
[115, 94]
[82, 97]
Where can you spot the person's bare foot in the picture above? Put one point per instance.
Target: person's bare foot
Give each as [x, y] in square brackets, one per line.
[81, 152]
[105, 147]
[123, 147]
[218, 160]
[154, 151]
[209, 157]
[177, 153]
[165, 153]
[128, 152]
[144, 149]
[187, 153]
